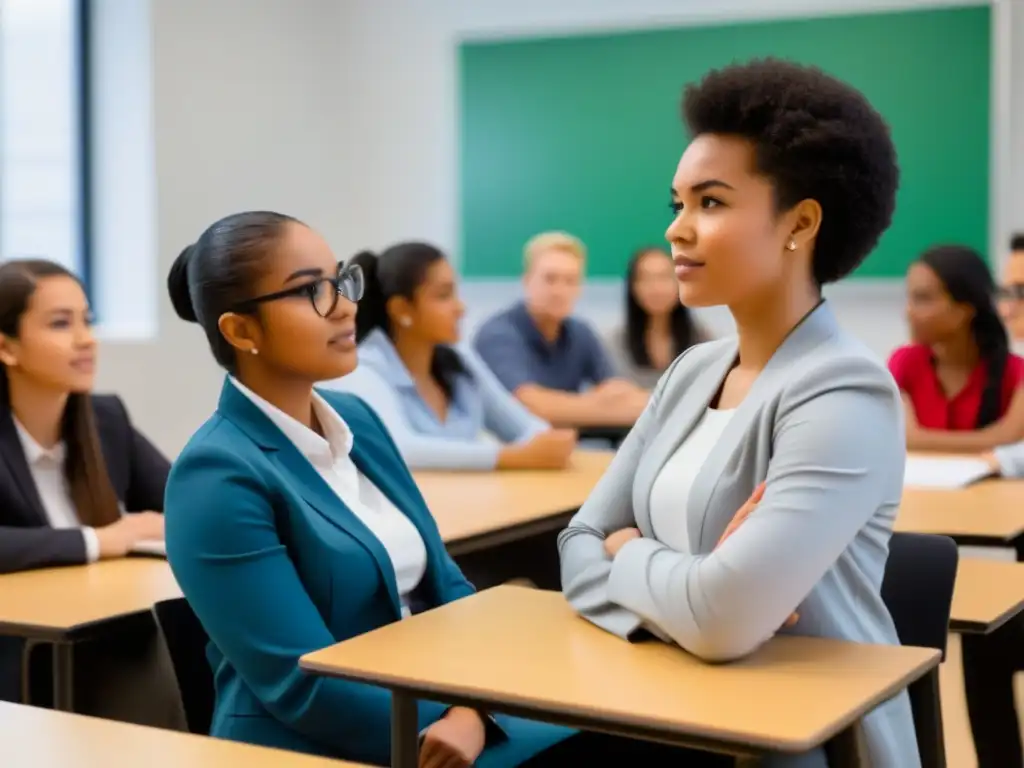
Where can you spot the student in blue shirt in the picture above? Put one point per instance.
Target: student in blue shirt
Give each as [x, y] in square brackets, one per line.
[436, 396]
[552, 362]
[293, 523]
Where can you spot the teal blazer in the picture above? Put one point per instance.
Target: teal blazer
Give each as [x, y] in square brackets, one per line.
[275, 566]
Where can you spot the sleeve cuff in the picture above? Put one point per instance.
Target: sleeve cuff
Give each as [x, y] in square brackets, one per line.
[92, 545]
[1004, 456]
[628, 582]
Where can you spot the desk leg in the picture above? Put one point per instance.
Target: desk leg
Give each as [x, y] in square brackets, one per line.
[405, 737]
[64, 677]
[927, 707]
[844, 750]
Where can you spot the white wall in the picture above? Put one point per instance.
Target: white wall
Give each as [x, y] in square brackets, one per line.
[344, 114]
[246, 114]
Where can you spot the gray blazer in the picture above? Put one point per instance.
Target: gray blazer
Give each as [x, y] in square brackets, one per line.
[823, 425]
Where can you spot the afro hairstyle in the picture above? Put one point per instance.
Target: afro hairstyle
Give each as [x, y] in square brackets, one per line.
[814, 137]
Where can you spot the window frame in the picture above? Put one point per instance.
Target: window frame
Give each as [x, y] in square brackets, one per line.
[83, 112]
[82, 230]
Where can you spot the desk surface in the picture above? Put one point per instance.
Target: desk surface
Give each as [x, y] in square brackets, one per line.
[43, 738]
[988, 593]
[991, 509]
[468, 504]
[53, 602]
[525, 650]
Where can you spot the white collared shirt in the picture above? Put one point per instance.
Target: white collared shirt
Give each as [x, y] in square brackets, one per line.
[47, 468]
[330, 457]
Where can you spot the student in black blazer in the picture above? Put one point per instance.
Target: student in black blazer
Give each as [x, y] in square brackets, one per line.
[136, 471]
[71, 464]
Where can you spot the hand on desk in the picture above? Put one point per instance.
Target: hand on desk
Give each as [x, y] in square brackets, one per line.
[622, 400]
[546, 450]
[742, 514]
[993, 463]
[118, 538]
[454, 741]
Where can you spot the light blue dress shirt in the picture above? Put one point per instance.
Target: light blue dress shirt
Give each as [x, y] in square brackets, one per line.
[479, 404]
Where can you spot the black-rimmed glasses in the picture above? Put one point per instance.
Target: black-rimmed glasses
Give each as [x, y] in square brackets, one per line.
[1012, 292]
[323, 292]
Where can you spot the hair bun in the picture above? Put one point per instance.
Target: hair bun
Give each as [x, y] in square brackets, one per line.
[177, 287]
[367, 260]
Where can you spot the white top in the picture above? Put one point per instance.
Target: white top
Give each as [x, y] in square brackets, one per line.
[330, 457]
[47, 468]
[670, 493]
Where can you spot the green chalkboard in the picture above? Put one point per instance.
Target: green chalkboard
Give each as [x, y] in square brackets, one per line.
[583, 133]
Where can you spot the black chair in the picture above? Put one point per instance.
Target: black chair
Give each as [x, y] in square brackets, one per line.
[918, 590]
[186, 643]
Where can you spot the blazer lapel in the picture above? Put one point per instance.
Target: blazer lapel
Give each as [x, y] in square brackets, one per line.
[13, 455]
[679, 419]
[370, 454]
[313, 489]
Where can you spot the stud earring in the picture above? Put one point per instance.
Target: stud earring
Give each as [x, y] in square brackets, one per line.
[254, 351]
[791, 245]
[405, 322]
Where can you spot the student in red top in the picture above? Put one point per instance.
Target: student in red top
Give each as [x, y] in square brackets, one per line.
[960, 383]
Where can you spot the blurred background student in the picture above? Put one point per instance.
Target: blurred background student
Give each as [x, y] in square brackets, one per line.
[991, 661]
[70, 463]
[550, 360]
[436, 397]
[960, 382]
[658, 327]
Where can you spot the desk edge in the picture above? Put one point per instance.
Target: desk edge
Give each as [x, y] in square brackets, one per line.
[480, 697]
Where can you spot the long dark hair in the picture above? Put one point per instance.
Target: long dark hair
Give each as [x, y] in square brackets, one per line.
[681, 325]
[967, 280]
[84, 467]
[399, 271]
[217, 272]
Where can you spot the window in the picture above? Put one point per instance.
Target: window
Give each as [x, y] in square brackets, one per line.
[44, 131]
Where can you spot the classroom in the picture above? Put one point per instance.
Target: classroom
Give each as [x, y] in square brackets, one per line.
[506, 179]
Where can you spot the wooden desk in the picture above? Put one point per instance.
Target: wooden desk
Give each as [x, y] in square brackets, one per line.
[43, 738]
[988, 513]
[524, 652]
[479, 510]
[65, 605]
[988, 593]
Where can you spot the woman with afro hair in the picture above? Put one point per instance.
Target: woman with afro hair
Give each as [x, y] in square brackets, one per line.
[757, 492]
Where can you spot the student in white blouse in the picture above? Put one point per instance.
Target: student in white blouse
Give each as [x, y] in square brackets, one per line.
[71, 465]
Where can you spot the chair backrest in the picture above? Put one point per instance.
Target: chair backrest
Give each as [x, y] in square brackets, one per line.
[918, 587]
[918, 590]
[186, 643]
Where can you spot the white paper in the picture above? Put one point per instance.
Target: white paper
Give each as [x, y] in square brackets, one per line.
[943, 472]
[150, 547]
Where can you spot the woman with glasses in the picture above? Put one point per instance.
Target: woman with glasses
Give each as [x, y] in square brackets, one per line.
[960, 384]
[438, 399]
[992, 661]
[292, 521]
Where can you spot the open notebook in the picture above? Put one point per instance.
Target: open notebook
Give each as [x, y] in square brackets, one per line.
[943, 472]
[150, 547]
